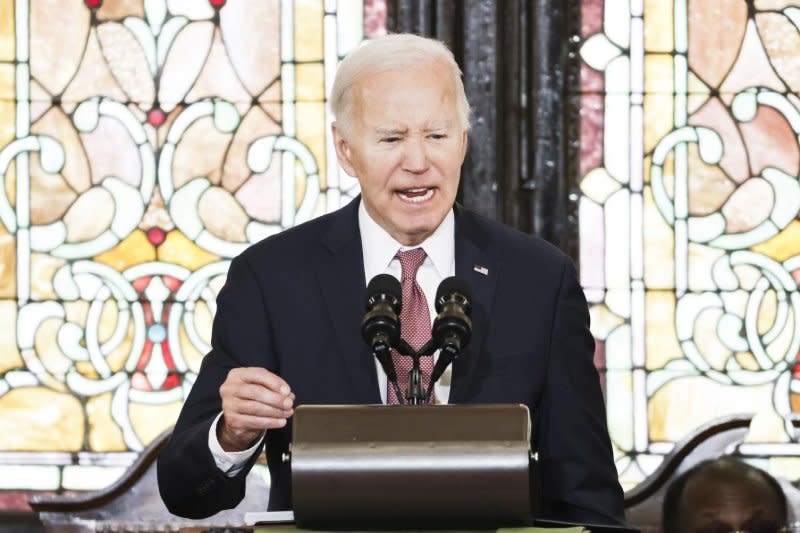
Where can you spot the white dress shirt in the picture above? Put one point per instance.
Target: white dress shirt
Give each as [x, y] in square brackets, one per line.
[379, 250]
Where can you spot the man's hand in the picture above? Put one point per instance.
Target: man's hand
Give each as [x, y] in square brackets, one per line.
[253, 401]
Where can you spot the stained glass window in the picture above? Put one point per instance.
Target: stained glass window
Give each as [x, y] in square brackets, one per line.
[690, 238]
[143, 144]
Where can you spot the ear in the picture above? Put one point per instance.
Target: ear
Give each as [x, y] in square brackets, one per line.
[343, 150]
[464, 143]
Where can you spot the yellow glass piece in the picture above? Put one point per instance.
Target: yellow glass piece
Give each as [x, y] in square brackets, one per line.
[149, 421]
[598, 185]
[8, 266]
[682, 405]
[8, 116]
[311, 132]
[658, 26]
[782, 246]
[310, 82]
[104, 434]
[133, 250]
[87, 370]
[181, 251]
[191, 355]
[308, 30]
[119, 355]
[10, 358]
[7, 36]
[660, 337]
[300, 183]
[658, 119]
[767, 312]
[699, 93]
[659, 247]
[747, 360]
[603, 321]
[658, 73]
[7, 82]
[11, 174]
[48, 351]
[109, 317]
[76, 311]
[43, 268]
[39, 419]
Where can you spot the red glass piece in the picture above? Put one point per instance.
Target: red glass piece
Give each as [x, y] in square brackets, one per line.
[93, 4]
[156, 236]
[217, 3]
[156, 117]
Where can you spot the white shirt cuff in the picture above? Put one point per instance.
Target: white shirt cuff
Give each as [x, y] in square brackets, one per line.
[230, 463]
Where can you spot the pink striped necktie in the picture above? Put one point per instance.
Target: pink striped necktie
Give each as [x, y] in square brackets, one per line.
[415, 324]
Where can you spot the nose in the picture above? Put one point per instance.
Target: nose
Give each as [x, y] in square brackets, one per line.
[415, 158]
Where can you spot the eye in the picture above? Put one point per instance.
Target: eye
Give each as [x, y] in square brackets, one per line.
[390, 140]
[437, 136]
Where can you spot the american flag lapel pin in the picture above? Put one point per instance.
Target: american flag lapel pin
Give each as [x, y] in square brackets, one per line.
[481, 270]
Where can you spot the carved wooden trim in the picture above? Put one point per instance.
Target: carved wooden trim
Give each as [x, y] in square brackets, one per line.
[90, 500]
[664, 472]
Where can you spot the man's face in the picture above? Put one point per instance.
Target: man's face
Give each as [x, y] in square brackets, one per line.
[716, 502]
[406, 147]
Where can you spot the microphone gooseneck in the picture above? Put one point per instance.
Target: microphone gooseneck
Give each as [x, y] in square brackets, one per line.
[380, 327]
[452, 328]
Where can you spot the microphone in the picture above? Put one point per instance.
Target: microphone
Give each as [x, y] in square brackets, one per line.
[452, 328]
[380, 327]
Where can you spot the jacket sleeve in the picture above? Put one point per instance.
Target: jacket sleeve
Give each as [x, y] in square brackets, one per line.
[579, 480]
[189, 481]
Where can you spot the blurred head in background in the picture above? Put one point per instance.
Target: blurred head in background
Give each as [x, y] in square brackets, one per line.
[724, 495]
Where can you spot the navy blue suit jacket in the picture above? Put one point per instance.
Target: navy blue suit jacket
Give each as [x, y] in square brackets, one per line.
[293, 304]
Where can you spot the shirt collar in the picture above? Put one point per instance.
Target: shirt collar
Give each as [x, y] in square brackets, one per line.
[379, 248]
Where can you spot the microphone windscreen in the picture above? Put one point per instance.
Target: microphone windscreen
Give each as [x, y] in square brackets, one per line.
[450, 286]
[384, 284]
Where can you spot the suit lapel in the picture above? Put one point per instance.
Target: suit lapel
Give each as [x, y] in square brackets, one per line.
[342, 284]
[480, 270]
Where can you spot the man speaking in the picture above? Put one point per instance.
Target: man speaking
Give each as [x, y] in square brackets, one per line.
[287, 328]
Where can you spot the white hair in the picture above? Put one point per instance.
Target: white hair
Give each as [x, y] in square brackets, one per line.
[392, 52]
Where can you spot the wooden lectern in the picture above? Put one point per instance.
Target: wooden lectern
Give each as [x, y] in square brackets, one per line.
[440, 466]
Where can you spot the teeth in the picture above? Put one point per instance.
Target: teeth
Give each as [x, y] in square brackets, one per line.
[416, 199]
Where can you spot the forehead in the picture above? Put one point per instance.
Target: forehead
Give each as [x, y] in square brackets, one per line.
[420, 93]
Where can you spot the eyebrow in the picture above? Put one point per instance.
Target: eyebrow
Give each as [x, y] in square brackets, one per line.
[401, 131]
[391, 131]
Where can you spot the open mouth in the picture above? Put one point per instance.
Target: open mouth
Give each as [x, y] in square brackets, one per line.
[416, 196]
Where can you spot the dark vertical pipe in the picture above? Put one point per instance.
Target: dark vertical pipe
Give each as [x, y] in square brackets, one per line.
[479, 177]
[573, 128]
[547, 117]
[511, 119]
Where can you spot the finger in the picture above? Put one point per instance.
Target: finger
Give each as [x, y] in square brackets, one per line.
[261, 410]
[259, 394]
[266, 378]
[239, 422]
